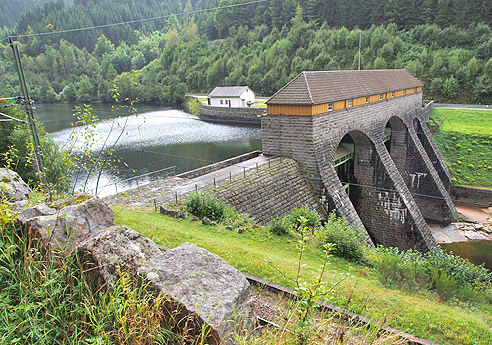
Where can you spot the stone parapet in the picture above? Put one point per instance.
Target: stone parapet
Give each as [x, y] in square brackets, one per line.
[251, 116]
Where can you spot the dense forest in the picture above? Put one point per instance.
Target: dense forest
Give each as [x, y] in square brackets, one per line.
[446, 44]
[10, 10]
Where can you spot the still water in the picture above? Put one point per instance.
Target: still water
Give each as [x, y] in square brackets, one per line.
[479, 252]
[155, 138]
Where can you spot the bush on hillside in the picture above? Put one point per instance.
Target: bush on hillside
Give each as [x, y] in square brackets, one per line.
[312, 218]
[448, 274]
[206, 205]
[279, 226]
[349, 243]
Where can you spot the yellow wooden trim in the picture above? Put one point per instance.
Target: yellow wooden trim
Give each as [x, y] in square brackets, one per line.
[289, 109]
[308, 110]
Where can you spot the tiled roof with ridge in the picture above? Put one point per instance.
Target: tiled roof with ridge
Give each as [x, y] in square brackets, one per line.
[228, 91]
[316, 87]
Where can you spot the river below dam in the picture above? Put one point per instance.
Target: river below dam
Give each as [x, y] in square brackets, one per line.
[155, 138]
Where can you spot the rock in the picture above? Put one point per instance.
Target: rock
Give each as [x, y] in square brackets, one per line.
[205, 287]
[195, 219]
[207, 221]
[229, 227]
[71, 224]
[39, 210]
[12, 187]
[474, 236]
[115, 248]
[173, 212]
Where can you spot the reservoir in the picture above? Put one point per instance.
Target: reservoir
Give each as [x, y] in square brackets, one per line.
[155, 138]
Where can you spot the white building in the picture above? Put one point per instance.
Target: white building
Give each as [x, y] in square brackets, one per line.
[231, 96]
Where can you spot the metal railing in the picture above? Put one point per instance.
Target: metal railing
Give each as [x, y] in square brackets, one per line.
[129, 183]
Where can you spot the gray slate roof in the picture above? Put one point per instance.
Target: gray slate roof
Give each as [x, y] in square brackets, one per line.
[316, 87]
[227, 91]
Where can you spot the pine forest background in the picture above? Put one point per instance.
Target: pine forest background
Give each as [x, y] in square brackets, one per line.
[445, 43]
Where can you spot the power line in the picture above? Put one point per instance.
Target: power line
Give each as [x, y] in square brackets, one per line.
[136, 20]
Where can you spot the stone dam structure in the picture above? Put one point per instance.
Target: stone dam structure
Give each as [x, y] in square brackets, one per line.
[362, 139]
[354, 142]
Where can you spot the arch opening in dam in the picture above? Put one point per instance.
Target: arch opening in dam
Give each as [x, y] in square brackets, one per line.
[355, 135]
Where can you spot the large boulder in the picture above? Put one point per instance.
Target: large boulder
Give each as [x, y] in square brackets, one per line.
[113, 251]
[205, 287]
[12, 187]
[29, 214]
[71, 225]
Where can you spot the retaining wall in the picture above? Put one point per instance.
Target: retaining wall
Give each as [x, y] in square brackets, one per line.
[231, 115]
[219, 165]
[273, 190]
[472, 196]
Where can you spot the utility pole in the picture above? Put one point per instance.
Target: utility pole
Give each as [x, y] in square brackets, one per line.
[38, 158]
[360, 43]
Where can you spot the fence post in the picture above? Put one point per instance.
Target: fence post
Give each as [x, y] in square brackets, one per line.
[215, 186]
[116, 188]
[155, 206]
[230, 176]
[176, 194]
[256, 167]
[244, 172]
[196, 188]
[269, 162]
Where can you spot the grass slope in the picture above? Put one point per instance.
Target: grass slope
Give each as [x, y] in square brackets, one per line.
[465, 140]
[421, 314]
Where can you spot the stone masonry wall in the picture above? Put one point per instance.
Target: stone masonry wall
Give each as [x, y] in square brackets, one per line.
[313, 141]
[234, 115]
[472, 196]
[274, 190]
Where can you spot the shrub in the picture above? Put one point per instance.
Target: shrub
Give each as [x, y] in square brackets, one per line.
[206, 205]
[279, 226]
[463, 271]
[445, 285]
[449, 275]
[403, 269]
[349, 243]
[311, 216]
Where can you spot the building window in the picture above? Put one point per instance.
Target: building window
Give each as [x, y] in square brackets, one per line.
[330, 106]
[367, 99]
[393, 94]
[350, 103]
[381, 97]
[404, 92]
[221, 102]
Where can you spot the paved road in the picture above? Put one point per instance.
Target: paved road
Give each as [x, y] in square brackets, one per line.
[464, 106]
[166, 190]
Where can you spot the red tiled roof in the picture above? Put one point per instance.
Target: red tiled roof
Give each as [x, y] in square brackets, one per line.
[316, 87]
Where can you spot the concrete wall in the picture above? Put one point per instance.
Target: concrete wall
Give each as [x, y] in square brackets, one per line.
[472, 196]
[219, 165]
[231, 115]
[274, 190]
[385, 206]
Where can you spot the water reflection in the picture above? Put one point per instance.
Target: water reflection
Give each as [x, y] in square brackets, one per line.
[154, 139]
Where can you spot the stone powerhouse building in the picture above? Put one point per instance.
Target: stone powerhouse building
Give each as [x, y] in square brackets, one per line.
[362, 139]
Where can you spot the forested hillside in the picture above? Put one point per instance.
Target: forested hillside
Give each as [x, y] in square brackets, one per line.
[11, 10]
[263, 45]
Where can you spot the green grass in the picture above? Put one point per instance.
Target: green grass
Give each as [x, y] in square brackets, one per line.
[465, 140]
[464, 121]
[420, 313]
